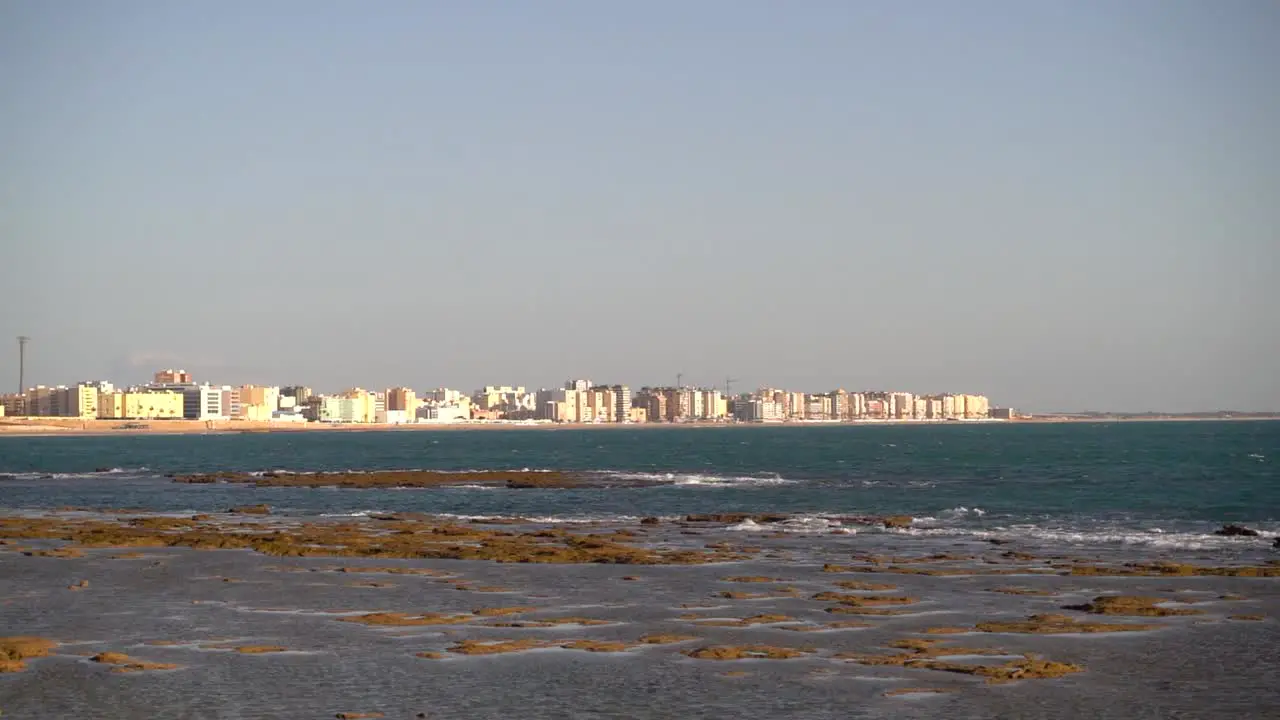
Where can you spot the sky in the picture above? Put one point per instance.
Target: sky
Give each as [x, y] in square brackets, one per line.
[1065, 205]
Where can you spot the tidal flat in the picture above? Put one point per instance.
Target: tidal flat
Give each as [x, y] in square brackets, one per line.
[255, 615]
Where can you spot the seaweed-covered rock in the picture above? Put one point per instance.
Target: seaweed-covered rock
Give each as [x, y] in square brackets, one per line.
[123, 663]
[1232, 530]
[15, 650]
[1051, 624]
[1132, 605]
[745, 652]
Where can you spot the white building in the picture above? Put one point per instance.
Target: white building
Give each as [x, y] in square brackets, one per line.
[444, 412]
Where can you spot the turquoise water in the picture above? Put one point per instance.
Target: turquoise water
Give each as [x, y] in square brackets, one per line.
[1143, 481]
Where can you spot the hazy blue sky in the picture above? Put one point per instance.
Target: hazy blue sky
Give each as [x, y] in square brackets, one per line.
[1064, 205]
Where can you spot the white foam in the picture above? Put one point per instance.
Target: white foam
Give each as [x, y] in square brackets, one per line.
[701, 479]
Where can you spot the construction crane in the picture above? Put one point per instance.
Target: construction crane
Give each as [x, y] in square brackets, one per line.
[728, 385]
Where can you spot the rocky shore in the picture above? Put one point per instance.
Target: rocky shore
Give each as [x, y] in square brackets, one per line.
[698, 592]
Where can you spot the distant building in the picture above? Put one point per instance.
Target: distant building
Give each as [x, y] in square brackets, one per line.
[404, 400]
[14, 404]
[300, 393]
[172, 377]
[1002, 413]
[267, 397]
[444, 412]
[202, 402]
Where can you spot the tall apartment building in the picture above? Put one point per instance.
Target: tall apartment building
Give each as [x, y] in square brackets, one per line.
[402, 398]
[202, 402]
[757, 409]
[976, 407]
[40, 401]
[952, 406]
[621, 403]
[300, 393]
[14, 404]
[261, 399]
[653, 402]
[363, 405]
[172, 377]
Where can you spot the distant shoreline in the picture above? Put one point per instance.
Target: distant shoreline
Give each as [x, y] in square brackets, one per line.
[54, 427]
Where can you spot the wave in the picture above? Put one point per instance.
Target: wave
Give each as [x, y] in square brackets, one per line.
[1150, 537]
[800, 524]
[700, 479]
[28, 475]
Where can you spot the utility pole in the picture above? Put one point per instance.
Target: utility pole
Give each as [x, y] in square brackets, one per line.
[22, 363]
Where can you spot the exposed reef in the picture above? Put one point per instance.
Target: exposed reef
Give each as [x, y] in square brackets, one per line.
[1050, 624]
[122, 663]
[1132, 605]
[746, 652]
[14, 651]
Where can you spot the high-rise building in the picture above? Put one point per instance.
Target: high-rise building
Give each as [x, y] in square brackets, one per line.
[172, 377]
[300, 393]
[262, 399]
[402, 398]
[362, 406]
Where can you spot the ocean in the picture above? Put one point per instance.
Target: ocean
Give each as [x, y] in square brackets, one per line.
[1025, 499]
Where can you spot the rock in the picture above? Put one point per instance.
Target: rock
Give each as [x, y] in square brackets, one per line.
[865, 600]
[748, 621]
[1236, 531]
[260, 509]
[1131, 605]
[1276, 544]
[1051, 624]
[897, 521]
[650, 521]
[405, 619]
[495, 647]
[914, 691]
[15, 650]
[596, 646]
[1251, 618]
[123, 663]
[358, 715]
[745, 652]
[665, 639]
[864, 586]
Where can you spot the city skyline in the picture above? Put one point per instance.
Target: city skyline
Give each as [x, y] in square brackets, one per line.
[1066, 205]
[176, 394]
[140, 379]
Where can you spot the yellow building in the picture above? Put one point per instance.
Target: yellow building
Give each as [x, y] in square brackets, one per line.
[160, 405]
[82, 401]
[256, 412]
[976, 406]
[110, 405]
[364, 406]
[267, 397]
